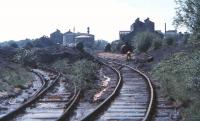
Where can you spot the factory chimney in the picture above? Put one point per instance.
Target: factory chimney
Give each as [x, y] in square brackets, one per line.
[74, 30]
[88, 30]
[165, 28]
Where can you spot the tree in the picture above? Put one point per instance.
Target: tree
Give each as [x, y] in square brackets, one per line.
[14, 45]
[100, 44]
[43, 41]
[143, 41]
[108, 48]
[116, 45]
[28, 45]
[188, 14]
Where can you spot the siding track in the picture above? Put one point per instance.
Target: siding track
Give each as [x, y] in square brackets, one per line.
[132, 100]
[49, 104]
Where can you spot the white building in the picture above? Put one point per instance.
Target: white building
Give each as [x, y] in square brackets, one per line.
[72, 38]
[171, 33]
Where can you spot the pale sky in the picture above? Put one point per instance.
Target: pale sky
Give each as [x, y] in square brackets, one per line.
[20, 19]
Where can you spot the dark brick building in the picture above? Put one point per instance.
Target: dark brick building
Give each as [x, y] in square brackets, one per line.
[137, 26]
[57, 37]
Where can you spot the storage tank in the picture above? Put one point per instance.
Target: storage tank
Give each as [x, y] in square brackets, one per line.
[87, 40]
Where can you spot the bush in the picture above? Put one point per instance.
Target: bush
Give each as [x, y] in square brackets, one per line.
[179, 76]
[43, 42]
[169, 41]
[108, 48]
[25, 57]
[61, 65]
[14, 45]
[83, 72]
[125, 48]
[28, 45]
[143, 41]
[116, 45]
[157, 44]
[14, 75]
[100, 44]
[80, 46]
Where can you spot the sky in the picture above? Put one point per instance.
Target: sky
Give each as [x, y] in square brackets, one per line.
[21, 19]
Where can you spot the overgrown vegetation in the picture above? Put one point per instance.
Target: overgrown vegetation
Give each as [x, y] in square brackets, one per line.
[145, 40]
[179, 76]
[100, 44]
[116, 45]
[13, 75]
[80, 46]
[83, 72]
[62, 66]
[169, 41]
[157, 44]
[187, 14]
[24, 56]
[108, 48]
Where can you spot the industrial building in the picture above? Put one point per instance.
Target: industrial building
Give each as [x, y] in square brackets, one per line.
[72, 38]
[137, 26]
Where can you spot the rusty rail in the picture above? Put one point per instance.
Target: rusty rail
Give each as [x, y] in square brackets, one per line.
[152, 100]
[36, 96]
[108, 100]
[105, 103]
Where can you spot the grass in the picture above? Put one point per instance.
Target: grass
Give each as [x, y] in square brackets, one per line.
[13, 75]
[62, 65]
[82, 72]
[179, 76]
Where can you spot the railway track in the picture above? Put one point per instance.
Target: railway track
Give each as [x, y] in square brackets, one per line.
[134, 100]
[49, 103]
[15, 104]
[83, 108]
[162, 108]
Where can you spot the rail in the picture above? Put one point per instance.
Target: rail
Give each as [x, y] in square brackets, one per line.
[152, 101]
[108, 100]
[34, 98]
[71, 104]
[151, 104]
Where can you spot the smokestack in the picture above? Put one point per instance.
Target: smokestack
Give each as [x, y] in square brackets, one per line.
[165, 28]
[88, 30]
[74, 29]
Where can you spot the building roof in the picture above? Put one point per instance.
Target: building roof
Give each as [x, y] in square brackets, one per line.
[83, 36]
[69, 32]
[171, 31]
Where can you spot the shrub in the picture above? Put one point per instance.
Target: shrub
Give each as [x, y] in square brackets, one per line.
[179, 76]
[108, 48]
[28, 45]
[14, 45]
[80, 46]
[83, 72]
[25, 56]
[61, 65]
[13, 75]
[143, 41]
[169, 40]
[100, 44]
[116, 45]
[157, 43]
[125, 48]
